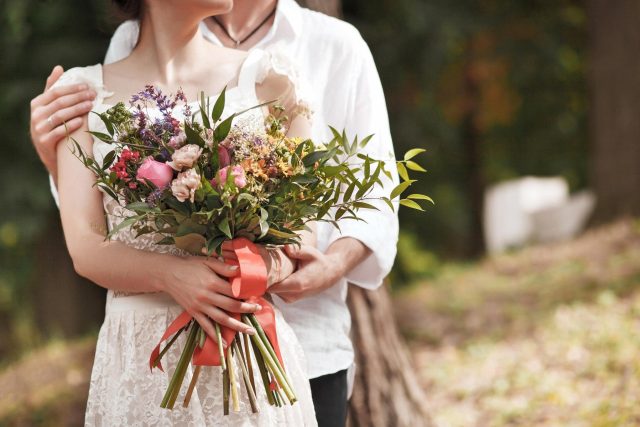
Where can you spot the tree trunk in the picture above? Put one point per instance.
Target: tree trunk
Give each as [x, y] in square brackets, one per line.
[614, 84]
[386, 392]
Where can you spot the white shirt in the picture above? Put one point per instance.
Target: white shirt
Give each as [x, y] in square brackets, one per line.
[346, 94]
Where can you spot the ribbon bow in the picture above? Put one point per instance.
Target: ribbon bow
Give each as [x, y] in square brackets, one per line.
[249, 284]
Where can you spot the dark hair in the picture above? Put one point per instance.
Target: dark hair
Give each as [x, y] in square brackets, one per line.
[129, 9]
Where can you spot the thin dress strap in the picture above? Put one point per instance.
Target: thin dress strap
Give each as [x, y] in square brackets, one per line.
[249, 72]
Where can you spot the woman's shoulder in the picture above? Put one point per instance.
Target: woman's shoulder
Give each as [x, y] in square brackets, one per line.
[91, 75]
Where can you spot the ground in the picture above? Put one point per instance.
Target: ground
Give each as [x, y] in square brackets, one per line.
[547, 336]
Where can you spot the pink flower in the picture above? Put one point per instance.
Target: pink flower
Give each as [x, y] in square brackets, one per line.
[176, 141]
[157, 172]
[185, 185]
[185, 157]
[223, 156]
[239, 177]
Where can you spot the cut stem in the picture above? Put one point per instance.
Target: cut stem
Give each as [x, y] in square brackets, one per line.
[223, 362]
[232, 380]
[181, 368]
[192, 385]
[245, 376]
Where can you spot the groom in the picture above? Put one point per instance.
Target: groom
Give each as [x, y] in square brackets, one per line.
[346, 93]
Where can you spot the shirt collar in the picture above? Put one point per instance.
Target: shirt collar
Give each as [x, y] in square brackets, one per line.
[286, 25]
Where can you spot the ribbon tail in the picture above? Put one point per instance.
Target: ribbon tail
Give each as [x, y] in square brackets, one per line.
[179, 323]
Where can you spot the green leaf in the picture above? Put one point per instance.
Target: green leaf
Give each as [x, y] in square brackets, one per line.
[214, 244]
[420, 197]
[108, 159]
[222, 130]
[348, 192]
[364, 142]
[402, 171]
[281, 234]
[411, 204]
[190, 227]
[193, 137]
[168, 240]
[310, 159]
[413, 152]
[102, 137]
[224, 227]
[400, 188]
[414, 166]
[139, 207]
[107, 122]
[364, 205]
[218, 107]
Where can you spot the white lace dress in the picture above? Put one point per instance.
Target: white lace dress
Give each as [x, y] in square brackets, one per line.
[123, 391]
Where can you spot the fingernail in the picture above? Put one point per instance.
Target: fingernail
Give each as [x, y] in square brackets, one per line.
[233, 267]
[250, 331]
[258, 307]
[220, 259]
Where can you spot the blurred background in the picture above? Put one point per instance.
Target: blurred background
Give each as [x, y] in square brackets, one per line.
[517, 292]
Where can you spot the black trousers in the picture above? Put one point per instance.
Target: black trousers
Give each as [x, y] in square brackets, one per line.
[329, 394]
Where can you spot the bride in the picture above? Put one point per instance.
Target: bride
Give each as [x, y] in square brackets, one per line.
[149, 285]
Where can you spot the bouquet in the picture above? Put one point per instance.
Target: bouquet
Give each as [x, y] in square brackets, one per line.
[200, 181]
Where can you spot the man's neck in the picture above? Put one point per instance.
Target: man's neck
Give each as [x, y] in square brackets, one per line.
[245, 17]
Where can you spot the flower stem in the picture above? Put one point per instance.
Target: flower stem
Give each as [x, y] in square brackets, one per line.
[245, 376]
[232, 378]
[263, 373]
[181, 368]
[192, 385]
[167, 347]
[223, 361]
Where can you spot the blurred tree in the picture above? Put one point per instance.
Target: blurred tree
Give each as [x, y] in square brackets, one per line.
[614, 82]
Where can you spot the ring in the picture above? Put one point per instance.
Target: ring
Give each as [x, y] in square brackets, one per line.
[50, 121]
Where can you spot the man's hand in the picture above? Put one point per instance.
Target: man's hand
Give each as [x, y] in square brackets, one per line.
[56, 113]
[318, 271]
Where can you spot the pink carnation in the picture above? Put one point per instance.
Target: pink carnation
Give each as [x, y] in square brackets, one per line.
[239, 177]
[185, 185]
[185, 157]
[157, 172]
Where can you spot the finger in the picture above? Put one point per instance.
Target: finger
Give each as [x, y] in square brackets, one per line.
[220, 267]
[229, 255]
[58, 134]
[303, 252]
[52, 94]
[208, 326]
[54, 76]
[230, 304]
[61, 115]
[225, 320]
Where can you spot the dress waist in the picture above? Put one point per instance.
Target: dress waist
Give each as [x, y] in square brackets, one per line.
[139, 302]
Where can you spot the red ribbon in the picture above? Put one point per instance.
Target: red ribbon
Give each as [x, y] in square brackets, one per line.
[249, 284]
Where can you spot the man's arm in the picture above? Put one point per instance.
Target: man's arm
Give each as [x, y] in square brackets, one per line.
[361, 252]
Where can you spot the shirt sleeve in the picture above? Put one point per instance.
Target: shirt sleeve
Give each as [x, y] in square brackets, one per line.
[379, 229]
[123, 41]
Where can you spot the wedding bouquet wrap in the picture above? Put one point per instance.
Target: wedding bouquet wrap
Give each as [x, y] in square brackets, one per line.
[201, 181]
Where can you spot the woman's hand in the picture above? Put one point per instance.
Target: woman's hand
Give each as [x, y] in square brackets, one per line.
[55, 113]
[200, 286]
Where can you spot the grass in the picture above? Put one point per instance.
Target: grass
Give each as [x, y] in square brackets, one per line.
[548, 336]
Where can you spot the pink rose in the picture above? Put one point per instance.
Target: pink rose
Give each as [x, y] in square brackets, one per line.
[223, 156]
[239, 177]
[185, 185]
[185, 157]
[157, 172]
